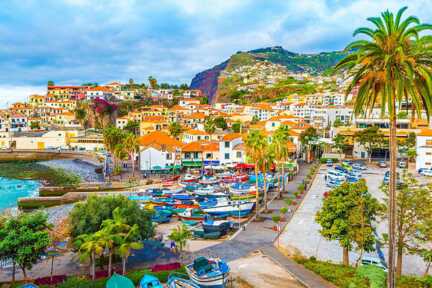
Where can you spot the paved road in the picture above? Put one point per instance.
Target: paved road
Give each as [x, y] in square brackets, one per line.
[302, 233]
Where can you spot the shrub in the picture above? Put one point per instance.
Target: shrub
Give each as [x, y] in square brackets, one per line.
[288, 201]
[375, 275]
[283, 210]
[301, 188]
[276, 218]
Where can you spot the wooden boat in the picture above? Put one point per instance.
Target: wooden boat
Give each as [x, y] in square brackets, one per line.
[176, 280]
[209, 180]
[234, 208]
[189, 178]
[191, 214]
[150, 281]
[207, 272]
[222, 226]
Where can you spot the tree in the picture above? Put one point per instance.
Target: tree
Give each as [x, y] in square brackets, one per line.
[265, 165]
[153, 82]
[81, 116]
[308, 139]
[236, 127]
[370, 138]
[127, 243]
[410, 142]
[413, 207]
[113, 139]
[132, 127]
[347, 215]
[255, 119]
[411, 154]
[204, 100]
[87, 217]
[221, 123]
[337, 123]
[50, 83]
[280, 151]
[339, 142]
[393, 64]
[35, 125]
[175, 129]
[424, 238]
[256, 144]
[180, 235]
[209, 125]
[89, 247]
[130, 145]
[23, 239]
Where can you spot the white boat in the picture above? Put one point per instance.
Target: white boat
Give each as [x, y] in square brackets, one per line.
[208, 273]
[233, 208]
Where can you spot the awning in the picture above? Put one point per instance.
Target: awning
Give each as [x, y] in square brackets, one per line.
[192, 163]
[244, 166]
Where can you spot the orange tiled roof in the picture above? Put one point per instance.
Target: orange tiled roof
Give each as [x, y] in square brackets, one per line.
[200, 146]
[231, 136]
[160, 139]
[196, 132]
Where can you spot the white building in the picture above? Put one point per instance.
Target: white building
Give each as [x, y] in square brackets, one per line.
[231, 149]
[424, 149]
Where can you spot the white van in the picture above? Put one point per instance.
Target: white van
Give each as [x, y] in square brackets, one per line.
[335, 175]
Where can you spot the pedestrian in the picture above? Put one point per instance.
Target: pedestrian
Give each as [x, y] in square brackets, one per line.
[173, 246]
[325, 177]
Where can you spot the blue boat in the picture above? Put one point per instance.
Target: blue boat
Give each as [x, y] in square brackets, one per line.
[208, 273]
[176, 280]
[222, 226]
[29, 285]
[182, 196]
[234, 209]
[150, 281]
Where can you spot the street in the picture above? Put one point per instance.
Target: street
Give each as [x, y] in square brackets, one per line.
[302, 233]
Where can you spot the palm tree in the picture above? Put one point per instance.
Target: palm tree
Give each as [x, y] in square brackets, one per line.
[81, 115]
[130, 144]
[265, 165]
[127, 243]
[393, 64]
[210, 126]
[256, 144]
[180, 235]
[280, 150]
[112, 137]
[90, 246]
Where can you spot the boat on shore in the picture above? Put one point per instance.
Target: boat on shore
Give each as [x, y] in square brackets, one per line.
[232, 208]
[208, 272]
[176, 280]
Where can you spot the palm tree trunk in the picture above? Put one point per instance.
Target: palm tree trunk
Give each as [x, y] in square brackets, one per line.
[24, 272]
[283, 181]
[52, 269]
[110, 263]
[345, 256]
[427, 269]
[392, 198]
[133, 163]
[93, 266]
[399, 260]
[13, 271]
[257, 191]
[123, 265]
[265, 187]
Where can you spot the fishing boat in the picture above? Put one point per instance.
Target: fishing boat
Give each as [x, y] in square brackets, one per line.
[209, 225]
[242, 189]
[182, 196]
[234, 208]
[208, 273]
[209, 180]
[150, 281]
[176, 280]
[213, 202]
[191, 214]
[189, 178]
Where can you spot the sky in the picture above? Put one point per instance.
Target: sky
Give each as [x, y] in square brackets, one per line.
[77, 41]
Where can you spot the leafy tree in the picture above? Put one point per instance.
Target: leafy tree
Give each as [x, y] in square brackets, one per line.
[371, 138]
[175, 129]
[308, 139]
[338, 123]
[35, 125]
[236, 127]
[87, 217]
[413, 207]
[180, 235]
[89, 247]
[410, 142]
[424, 238]
[113, 139]
[339, 142]
[255, 119]
[130, 145]
[402, 115]
[209, 125]
[204, 100]
[153, 82]
[347, 215]
[280, 151]
[184, 86]
[50, 83]
[220, 123]
[132, 127]
[23, 239]
[392, 64]
[412, 154]
[81, 116]
[256, 145]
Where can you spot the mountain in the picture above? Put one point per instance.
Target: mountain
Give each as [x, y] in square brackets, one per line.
[210, 80]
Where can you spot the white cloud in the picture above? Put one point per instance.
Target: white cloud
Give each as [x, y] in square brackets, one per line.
[11, 94]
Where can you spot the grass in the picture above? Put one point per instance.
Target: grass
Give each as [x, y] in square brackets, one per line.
[35, 171]
[362, 277]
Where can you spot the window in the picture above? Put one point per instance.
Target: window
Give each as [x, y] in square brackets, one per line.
[429, 142]
[227, 156]
[196, 155]
[239, 154]
[208, 155]
[168, 156]
[227, 144]
[199, 138]
[187, 155]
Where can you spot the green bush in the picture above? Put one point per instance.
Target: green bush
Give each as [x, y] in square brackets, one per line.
[414, 282]
[375, 275]
[324, 160]
[301, 188]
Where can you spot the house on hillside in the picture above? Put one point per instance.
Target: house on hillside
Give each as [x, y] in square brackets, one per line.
[158, 151]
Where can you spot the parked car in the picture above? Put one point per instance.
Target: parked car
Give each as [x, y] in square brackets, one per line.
[402, 164]
[382, 164]
[335, 175]
[375, 261]
[425, 172]
[358, 166]
[387, 178]
[341, 169]
[329, 163]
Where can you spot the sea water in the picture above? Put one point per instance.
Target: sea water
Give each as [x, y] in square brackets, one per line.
[12, 189]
